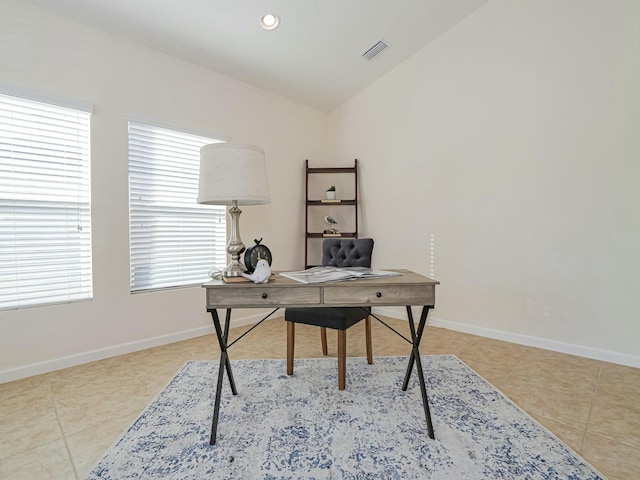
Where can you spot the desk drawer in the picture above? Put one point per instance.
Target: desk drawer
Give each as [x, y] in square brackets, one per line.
[254, 296]
[380, 295]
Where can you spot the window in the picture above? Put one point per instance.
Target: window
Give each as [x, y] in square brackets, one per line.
[173, 240]
[45, 195]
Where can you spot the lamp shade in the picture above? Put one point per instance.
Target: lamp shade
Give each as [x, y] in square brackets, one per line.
[233, 172]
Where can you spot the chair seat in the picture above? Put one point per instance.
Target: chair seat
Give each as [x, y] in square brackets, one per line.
[337, 318]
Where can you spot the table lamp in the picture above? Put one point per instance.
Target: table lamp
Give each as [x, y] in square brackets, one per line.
[233, 174]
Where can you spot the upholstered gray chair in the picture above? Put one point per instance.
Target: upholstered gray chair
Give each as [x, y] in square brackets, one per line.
[339, 253]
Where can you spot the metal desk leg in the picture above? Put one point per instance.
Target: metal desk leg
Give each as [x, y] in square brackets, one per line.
[414, 337]
[415, 357]
[224, 363]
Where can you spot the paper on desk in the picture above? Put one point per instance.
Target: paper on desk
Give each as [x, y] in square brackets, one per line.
[332, 274]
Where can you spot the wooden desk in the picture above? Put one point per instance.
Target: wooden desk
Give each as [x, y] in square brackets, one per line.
[408, 289]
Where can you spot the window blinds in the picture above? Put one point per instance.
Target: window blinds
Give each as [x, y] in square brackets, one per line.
[45, 196]
[174, 241]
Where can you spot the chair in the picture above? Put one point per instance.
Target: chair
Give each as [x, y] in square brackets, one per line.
[339, 253]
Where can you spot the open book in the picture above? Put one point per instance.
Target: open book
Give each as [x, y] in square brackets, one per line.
[331, 274]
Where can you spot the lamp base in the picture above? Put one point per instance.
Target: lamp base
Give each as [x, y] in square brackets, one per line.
[234, 269]
[235, 247]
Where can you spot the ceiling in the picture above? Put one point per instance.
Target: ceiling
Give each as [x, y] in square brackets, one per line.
[313, 57]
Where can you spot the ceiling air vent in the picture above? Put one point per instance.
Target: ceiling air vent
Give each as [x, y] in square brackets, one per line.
[374, 50]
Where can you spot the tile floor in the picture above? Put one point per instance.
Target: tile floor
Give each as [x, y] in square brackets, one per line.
[56, 425]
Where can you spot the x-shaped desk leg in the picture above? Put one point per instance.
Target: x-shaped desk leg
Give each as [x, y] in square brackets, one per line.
[224, 363]
[415, 357]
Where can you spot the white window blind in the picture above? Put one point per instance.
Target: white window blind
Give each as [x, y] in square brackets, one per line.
[174, 241]
[45, 196]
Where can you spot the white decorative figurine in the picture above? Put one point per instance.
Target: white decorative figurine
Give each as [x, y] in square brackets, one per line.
[261, 274]
[332, 225]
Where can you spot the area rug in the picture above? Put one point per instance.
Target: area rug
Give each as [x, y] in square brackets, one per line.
[303, 427]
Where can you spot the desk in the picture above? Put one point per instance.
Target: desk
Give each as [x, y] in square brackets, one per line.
[405, 290]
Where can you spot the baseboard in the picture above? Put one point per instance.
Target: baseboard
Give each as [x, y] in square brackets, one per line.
[530, 341]
[32, 369]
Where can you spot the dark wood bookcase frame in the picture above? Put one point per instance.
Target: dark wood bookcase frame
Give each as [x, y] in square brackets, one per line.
[353, 203]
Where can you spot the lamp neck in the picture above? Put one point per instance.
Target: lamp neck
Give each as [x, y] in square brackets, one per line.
[235, 246]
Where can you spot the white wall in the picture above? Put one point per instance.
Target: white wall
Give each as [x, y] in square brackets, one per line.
[505, 157]
[52, 56]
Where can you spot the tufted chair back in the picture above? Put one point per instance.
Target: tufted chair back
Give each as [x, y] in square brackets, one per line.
[347, 252]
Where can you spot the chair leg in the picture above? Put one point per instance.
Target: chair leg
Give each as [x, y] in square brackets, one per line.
[323, 339]
[367, 327]
[291, 337]
[342, 359]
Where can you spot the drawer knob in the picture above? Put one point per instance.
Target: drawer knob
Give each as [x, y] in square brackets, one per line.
[379, 294]
[264, 295]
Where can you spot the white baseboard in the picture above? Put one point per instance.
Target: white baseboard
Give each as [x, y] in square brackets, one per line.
[32, 369]
[546, 344]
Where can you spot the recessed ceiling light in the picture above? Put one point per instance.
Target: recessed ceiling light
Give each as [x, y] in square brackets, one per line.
[269, 21]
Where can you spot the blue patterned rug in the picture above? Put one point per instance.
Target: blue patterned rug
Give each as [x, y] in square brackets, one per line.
[303, 427]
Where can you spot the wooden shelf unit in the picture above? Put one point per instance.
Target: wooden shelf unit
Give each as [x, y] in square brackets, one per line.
[353, 203]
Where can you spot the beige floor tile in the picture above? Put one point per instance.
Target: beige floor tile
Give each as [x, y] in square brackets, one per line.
[542, 365]
[615, 420]
[496, 374]
[46, 462]
[439, 341]
[167, 358]
[620, 371]
[91, 386]
[495, 351]
[619, 384]
[560, 359]
[572, 436]
[579, 385]
[22, 386]
[109, 367]
[83, 411]
[21, 433]
[150, 382]
[88, 445]
[24, 399]
[153, 374]
[388, 343]
[267, 341]
[553, 400]
[201, 348]
[492, 359]
[614, 460]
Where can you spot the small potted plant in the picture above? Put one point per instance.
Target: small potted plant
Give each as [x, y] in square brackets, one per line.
[331, 193]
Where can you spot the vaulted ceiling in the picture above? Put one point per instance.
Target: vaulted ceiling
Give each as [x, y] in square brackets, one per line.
[314, 56]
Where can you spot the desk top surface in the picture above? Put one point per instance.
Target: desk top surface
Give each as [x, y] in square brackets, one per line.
[407, 278]
[407, 289]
